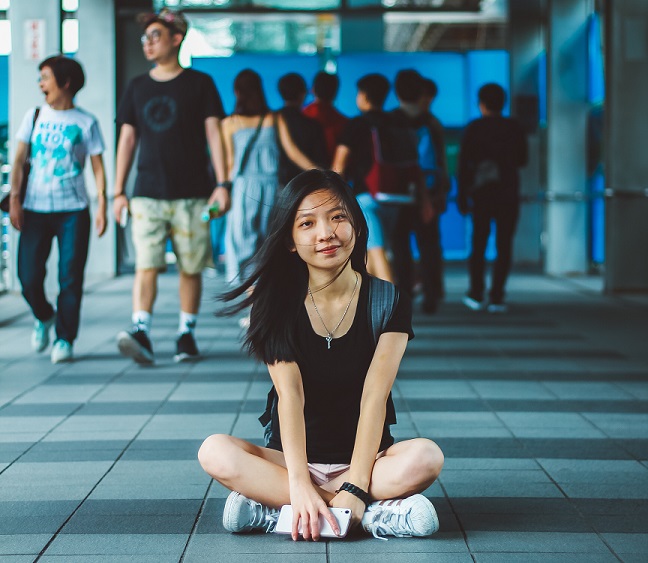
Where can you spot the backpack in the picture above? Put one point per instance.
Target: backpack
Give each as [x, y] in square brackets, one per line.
[395, 167]
[383, 299]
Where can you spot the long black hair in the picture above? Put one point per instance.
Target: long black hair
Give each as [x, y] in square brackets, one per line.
[280, 277]
[250, 99]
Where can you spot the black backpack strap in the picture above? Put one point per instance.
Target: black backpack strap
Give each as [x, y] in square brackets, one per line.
[383, 298]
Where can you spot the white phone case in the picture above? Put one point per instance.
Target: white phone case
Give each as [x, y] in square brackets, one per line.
[342, 515]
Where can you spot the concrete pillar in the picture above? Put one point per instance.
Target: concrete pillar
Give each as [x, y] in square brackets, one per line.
[567, 110]
[97, 55]
[526, 47]
[23, 87]
[626, 138]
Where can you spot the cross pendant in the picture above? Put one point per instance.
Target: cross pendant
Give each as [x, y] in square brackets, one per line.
[328, 340]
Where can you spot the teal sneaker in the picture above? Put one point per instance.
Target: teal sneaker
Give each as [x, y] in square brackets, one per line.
[40, 338]
[61, 351]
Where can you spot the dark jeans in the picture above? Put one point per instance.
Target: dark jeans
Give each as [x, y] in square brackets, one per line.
[72, 231]
[428, 239]
[505, 217]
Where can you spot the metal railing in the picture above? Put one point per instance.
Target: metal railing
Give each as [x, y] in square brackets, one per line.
[5, 229]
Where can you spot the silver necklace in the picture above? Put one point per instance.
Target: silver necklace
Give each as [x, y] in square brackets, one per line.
[330, 333]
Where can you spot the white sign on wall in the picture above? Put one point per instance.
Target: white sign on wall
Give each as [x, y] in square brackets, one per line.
[34, 40]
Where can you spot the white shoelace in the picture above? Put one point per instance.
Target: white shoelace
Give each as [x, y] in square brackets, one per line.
[390, 521]
[263, 517]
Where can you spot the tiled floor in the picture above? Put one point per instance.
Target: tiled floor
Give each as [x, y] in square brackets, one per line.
[542, 415]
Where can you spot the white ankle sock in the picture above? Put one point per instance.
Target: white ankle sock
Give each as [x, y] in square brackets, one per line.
[142, 320]
[187, 322]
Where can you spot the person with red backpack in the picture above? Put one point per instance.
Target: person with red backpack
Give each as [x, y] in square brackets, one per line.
[379, 156]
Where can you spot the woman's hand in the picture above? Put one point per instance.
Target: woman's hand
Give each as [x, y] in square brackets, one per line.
[307, 505]
[16, 213]
[344, 499]
[101, 221]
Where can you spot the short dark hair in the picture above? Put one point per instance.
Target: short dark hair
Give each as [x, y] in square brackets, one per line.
[173, 20]
[492, 96]
[375, 87]
[408, 85]
[67, 72]
[250, 99]
[325, 86]
[292, 87]
[430, 88]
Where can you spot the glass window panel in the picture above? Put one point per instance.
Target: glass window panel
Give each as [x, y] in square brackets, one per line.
[304, 5]
[4, 5]
[70, 31]
[213, 35]
[70, 5]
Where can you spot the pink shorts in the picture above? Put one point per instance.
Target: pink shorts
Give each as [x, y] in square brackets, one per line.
[322, 473]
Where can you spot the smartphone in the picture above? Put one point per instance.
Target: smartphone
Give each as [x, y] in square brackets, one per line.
[342, 515]
[123, 217]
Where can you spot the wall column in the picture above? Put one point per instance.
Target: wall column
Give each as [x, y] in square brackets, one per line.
[97, 55]
[567, 110]
[626, 138]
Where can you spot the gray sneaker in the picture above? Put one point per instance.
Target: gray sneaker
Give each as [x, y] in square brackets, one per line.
[40, 338]
[242, 514]
[61, 351]
[403, 518]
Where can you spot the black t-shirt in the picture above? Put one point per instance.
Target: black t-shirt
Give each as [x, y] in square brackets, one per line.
[170, 121]
[333, 380]
[308, 136]
[499, 139]
[357, 138]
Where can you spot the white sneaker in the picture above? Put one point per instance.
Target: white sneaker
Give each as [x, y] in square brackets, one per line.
[497, 308]
[61, 352]
[403, 518]
[40, 338]
[472, 303]
[242, 514]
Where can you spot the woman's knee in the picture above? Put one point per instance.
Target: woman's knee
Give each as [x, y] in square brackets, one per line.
[217, 456]
[424, 464]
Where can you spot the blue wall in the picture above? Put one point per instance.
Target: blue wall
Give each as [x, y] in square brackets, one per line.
[459, 77]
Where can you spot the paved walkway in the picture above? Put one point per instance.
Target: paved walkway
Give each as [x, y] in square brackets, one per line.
[542, 415]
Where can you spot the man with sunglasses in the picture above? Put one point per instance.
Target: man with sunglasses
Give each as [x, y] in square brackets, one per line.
[174, 115]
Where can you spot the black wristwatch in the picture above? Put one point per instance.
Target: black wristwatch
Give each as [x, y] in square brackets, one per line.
[226, 184]
[355, 491]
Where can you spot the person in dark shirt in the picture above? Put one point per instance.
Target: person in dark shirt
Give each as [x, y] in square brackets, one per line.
[174, 115]
[493, 148]
[305, 132]
[333, 377]
[415, 95]
[325, 88]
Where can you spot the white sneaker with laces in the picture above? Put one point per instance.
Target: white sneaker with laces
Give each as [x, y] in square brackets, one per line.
[40, 338]
[61, 352]
[242, 514]
[403, 518]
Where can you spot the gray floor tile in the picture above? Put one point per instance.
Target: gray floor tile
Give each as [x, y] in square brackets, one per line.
[23, 544]
[628, 543]
[170, 545]
[535, 542]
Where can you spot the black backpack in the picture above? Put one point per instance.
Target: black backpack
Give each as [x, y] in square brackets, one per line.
[383, 299]
[395, 168]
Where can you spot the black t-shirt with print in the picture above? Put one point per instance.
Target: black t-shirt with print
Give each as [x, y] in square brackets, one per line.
[333, 380]
[170, 118]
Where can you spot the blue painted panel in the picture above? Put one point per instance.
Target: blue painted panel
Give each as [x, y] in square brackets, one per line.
[446, 69]
[269, 66]
[484, 67]
[4, 89]
[596, 79]
[542, 88]
[597, 219]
